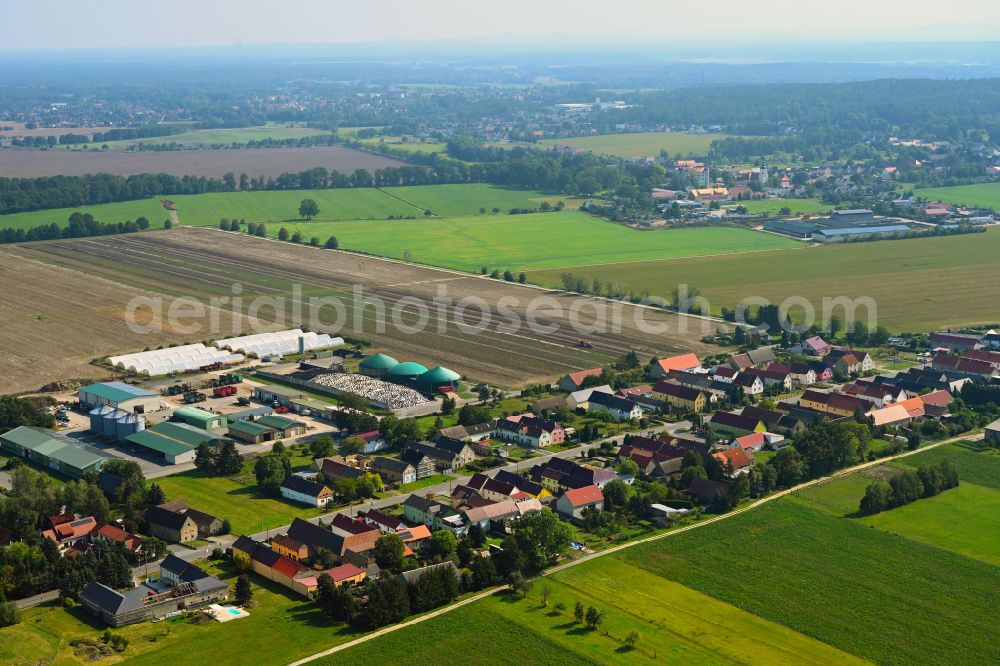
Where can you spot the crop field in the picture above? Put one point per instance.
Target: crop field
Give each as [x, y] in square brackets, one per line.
[983, 195]
[55, 321]
[279, 205]
[214, 163]
[917, 285]
[222, 137]
[564, 239]
[774, 206]
[864, 591]
[676, 625]
[283, 626]
[642, 144]
[204, 263]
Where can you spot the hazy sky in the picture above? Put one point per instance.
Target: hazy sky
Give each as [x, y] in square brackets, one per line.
[43, 24]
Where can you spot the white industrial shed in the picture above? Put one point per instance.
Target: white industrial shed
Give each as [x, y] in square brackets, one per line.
[278, 342]
[175, 359]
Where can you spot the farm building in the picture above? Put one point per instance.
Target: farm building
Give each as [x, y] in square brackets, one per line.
[793, 228]
[841, 234]
[199, 418]
[377, 365]
[406, 373]
[992, 435]
[251, 432]
[53, 450]
[120, 396]
[293, 341]
[185, 358]
[285, 427]
[115, 424]
[313, 407]
[438, 378]
[250, 414]
[175, 443]
[283, 395]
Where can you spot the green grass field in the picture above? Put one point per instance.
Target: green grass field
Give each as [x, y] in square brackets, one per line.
[862, 590]
[283, 626]
[642, 144]
[984, 195]
[973, 465]
[411, 145]
[676, 625]
[335, 204]
[535, 241]
[221, 496]
[917, 285]
[964, 520]
[773, 206]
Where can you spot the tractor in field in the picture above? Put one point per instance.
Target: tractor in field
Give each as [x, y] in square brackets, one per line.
[585, 344]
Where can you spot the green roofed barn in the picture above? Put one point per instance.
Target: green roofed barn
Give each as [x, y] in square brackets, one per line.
[176, 443]
[53, 450]
[438, 378]
[406, 373]
[199, 418]
[377, 365]
[120, 395]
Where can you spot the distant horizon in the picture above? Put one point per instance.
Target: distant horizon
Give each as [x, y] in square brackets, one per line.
[54, 25]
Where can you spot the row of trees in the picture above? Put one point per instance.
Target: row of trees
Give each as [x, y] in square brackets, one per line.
[907, 487]
[81, 225]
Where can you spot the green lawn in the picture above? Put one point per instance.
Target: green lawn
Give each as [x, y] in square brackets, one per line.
[773, 206]
[864, 591]
[283, 626]
[973, 466]
[466, 200]
[121, 211]
[984, 195]
[224, 497]
[964, 520]
[642, 144]
[966, 286]
[676, 625]
[425, 482]
[411, 145]
[564, 239]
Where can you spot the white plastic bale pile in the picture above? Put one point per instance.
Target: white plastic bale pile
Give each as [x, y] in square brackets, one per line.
[378, 391]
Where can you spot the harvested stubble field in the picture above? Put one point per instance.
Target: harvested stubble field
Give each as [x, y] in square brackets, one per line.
[253, 161]
[917, 284]
[56, 320]
[204, 263]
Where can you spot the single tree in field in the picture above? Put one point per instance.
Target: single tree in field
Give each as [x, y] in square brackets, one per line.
[578, 612]
[308, 208]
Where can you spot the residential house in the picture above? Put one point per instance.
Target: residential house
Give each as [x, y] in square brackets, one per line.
[706, 491]
[394, 470]
[336, 468]
[529, 431]
[114, 534]
[736, 425]
[423, 464]
[572, 503]
[802, 374]
[574, 381]
[757, 441]
[494, 517]
[349, 546]
[775, 377]
[837, 404]
[736, 460]
[194, 589]
[752, 385]
[822, 370]
[283, 544]
[879, 395]
[725, 374]
[992, 434]
[683, 362]
[524, 485]
[373, 442]
[448, 454]
[964, 366]
[173, 526]
[680, 397]
[621, 409]
[557, 474]
[67, 530]
[581, 399]
[755, 358]
[849, 361]
[384, 523]
[633, 392]
[430, 512]
[816, 346]
[208, 525]
[302, 490]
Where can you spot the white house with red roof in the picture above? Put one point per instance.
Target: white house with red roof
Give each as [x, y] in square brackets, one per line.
[572, 503]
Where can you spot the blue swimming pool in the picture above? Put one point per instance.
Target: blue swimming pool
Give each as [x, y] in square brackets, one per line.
[233, 611]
